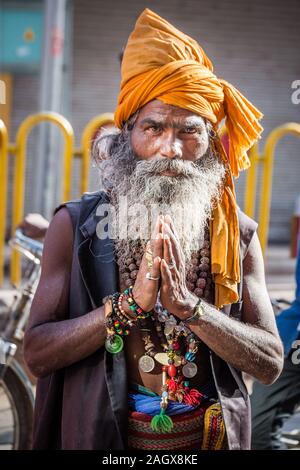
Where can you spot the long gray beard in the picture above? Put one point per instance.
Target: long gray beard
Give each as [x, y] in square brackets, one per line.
[139, 193]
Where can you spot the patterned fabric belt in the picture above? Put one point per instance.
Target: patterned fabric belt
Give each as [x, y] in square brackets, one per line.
[195, 430]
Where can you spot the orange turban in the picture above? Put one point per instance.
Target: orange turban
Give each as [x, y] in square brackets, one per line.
[161, 62]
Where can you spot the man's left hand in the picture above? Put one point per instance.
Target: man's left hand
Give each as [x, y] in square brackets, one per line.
[174, 294]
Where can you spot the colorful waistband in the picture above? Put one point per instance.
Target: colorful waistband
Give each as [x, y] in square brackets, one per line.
[202, 428]
[186, 433]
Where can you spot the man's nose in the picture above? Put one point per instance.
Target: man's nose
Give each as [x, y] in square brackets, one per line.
[171, 147]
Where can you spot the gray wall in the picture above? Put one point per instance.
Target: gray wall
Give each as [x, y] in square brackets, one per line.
[25, 101]
[254, 45]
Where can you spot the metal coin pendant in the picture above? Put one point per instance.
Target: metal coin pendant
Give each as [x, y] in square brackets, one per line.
[114, 345]
[189, 370]
[162, 358]
[146, 363]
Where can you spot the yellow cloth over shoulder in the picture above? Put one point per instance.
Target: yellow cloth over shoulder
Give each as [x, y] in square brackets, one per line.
[161, 62]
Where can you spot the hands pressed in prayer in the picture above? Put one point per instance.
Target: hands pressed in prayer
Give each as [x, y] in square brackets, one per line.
[145, 290]
[169, 269]
[174, 293]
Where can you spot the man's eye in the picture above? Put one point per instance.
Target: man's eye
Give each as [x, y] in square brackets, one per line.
[154, 129]
[189, 130]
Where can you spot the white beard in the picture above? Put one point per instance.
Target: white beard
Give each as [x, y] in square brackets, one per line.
[188, 197]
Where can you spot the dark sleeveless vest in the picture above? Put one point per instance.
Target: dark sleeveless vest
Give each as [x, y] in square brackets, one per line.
[84, 406]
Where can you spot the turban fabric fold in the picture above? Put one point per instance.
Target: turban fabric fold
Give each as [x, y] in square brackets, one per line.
[160, 62]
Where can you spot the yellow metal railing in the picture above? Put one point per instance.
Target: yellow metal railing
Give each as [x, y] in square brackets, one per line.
[267, 159]
[19, 150]
[87, 135]
[3, 192]
[20, 165]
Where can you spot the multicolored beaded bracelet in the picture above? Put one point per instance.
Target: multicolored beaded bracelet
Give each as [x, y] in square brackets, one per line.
[119, 314]
[139, 312]
[118, 321]
[130, 317]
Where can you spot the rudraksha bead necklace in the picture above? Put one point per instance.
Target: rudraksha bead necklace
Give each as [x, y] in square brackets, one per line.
[198, 270]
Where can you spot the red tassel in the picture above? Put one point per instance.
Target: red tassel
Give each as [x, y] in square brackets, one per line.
[192, 397]
[172, 385]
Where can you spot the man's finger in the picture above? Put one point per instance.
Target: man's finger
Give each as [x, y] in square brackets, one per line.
[176, 249]
[155, 270]
[156, 231]
[169, 220]
[168, 254]
[166, 275]
[166, 251]
[156, 256]
[158, 246]
[172, 264]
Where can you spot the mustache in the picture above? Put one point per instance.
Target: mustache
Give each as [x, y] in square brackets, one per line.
[183, 168]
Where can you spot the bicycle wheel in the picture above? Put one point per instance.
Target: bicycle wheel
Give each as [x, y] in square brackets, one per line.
[16, 412]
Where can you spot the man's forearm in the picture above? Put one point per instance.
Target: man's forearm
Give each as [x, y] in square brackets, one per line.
[54, 345]
[246, 347]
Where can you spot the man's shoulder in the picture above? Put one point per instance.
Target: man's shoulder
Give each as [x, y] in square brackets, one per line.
[85, 201]
[93, 196]
[246, 222]
[81, 209]
[247, 227]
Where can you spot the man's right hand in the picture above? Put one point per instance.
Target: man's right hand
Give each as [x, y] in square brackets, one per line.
[145, 290]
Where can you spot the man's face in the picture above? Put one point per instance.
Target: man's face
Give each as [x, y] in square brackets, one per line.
[165, 131]
[164, 164]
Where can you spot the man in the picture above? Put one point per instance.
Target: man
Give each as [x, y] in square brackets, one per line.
[126, 331]
[271, 406]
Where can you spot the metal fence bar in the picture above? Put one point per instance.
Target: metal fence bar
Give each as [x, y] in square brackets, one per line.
[19, 176]
[3, 193]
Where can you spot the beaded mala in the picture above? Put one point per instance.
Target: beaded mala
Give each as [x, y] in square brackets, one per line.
[198, 271]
